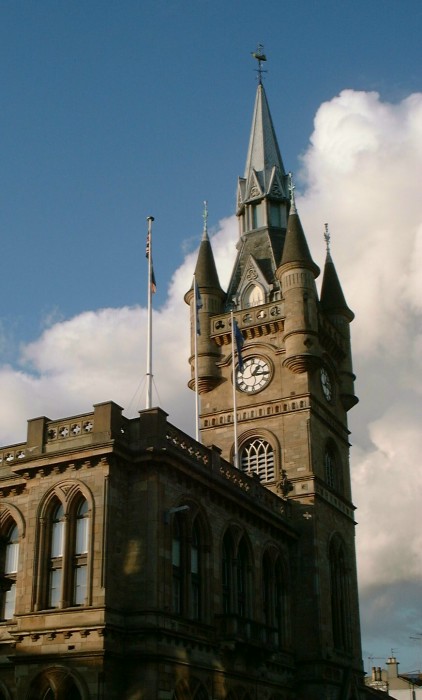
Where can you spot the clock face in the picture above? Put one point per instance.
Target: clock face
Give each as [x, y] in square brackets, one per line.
[326, 384]
[256, 374]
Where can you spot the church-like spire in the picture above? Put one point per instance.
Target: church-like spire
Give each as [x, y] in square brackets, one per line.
[263, 151]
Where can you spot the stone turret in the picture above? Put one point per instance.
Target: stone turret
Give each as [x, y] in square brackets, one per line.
[209, 302]
[333, 305]
[297, 273]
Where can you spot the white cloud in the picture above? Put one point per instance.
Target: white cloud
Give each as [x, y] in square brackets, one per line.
[361, 173]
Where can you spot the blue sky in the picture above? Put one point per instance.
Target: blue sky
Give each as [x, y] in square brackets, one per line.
[113, 111]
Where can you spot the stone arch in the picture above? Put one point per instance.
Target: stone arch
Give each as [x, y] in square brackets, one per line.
[191, 689]
[9, 512]
[56, 683]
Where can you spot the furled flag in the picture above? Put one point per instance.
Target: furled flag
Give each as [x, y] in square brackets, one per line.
[147, 253]
[239, 343]
[198, 305]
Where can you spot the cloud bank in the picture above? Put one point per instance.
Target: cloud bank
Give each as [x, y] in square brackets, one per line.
[361, 173]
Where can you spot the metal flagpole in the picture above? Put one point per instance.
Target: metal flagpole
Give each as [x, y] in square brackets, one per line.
[150, 219]
[235, 452]
[196, 322]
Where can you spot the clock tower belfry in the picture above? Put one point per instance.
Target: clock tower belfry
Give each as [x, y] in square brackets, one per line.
[293, 391]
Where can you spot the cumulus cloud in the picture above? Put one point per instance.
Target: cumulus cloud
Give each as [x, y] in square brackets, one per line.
[361, 173]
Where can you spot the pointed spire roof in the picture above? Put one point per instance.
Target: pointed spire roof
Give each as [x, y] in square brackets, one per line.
[205, 271]
[263, 152]
[296, 248]
[332, 297]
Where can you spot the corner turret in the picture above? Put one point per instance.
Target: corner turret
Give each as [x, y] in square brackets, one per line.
[334, 306]
[211, 302]
[297, 273]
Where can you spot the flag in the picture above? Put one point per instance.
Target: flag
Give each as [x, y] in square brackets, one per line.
[147, 254]
[198, 305]
[239, 340]
[153, 283]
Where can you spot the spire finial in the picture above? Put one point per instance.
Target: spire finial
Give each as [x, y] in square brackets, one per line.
[292, 188]
[260, 57]
[327, 237]
[205, 217]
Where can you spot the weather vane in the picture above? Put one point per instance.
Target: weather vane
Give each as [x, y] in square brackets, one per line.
[205, 216]
[327, 237]
[292, 188]
[260, 57]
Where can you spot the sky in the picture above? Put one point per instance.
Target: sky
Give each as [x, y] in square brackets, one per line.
[114, 111]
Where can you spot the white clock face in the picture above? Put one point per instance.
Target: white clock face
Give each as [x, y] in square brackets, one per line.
[326, 384]
[256, 374]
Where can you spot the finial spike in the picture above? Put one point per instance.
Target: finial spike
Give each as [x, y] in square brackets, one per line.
[327, 237]
[205, 217]
[260, 57]
[292, 188]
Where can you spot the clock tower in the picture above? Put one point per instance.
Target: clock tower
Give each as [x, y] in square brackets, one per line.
[293, 388]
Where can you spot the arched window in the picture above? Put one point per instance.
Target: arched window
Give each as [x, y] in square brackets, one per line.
[340, 605]
[65, 548]
[227, 573]
[192, 689]
[176, 560]
[80, 554]
[56, 557]
[253, 296]
[195, 573]
[332, 467]
[10, 557]
[54, 684]
[274, 601]
[257, 457]
[242, 578]
[187, 567]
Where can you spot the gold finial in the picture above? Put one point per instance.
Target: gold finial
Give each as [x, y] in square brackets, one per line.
[292, 188]
[327, 237]
[260, 57]
[205, 217]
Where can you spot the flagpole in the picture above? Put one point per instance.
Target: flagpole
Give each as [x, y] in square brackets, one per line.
[150, 219]
[195, 332]
[235, 452]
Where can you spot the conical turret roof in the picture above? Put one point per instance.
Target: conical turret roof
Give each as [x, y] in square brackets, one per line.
[205, 271]
[332, 297]
[296, 248]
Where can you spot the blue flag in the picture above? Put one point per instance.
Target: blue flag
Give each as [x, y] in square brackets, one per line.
[239, 340]
[198, 305]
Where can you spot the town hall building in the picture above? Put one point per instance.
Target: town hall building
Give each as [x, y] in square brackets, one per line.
[137, 563]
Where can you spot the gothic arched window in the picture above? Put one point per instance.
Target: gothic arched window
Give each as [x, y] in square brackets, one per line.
[257, 457]
[243, 568]
[274, 601]
[227, 572]
[187, 567]
[332, 467]
[65, 548]
[253, 296]
[340, 604]
[10, 556]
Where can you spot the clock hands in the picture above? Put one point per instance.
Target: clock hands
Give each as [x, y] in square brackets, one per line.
[257, 372]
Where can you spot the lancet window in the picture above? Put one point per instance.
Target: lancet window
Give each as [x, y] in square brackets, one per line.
[9, 569]
[188, 567]
[65, 550]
